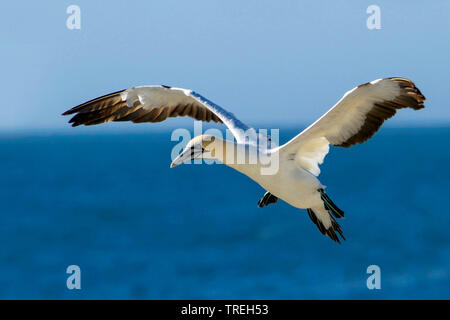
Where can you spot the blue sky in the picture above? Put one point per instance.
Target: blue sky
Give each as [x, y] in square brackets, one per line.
[276, 63]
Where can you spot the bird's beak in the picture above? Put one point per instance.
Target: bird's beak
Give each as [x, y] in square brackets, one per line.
[186, 156]
[173, 165]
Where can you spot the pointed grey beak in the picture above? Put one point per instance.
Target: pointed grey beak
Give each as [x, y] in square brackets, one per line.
[187, 156]
[178, 160]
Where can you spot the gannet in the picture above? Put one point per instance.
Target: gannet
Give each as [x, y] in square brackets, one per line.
[353, 119]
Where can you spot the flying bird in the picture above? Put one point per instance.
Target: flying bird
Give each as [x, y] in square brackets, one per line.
[353, 119]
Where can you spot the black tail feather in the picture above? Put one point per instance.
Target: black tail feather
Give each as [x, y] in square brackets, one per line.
[330, 232]
[330, 205]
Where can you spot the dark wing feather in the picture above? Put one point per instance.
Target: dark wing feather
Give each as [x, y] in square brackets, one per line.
[410, 97]
[353, 119]
[112, 107]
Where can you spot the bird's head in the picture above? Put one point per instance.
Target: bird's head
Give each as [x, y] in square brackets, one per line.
[203, 146]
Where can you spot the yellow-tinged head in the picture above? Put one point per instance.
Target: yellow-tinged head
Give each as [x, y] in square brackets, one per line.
[205, 146]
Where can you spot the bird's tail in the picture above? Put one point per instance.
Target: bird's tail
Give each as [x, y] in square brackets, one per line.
[329, 205]
[322, 216]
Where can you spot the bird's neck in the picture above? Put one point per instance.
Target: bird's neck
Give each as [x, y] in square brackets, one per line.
[243, 158]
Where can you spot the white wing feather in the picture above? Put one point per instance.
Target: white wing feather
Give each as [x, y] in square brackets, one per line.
[156, 103]
[353, 119]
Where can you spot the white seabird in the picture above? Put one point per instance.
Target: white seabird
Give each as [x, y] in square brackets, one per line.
[354, 119]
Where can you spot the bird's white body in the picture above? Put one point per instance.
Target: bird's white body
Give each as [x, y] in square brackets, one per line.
[290, 182]
[354, 119]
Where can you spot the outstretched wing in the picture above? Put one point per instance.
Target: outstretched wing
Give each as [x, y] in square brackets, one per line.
[155, 104]
[354, 119]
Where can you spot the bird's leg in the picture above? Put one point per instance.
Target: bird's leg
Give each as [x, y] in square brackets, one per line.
[267, 199]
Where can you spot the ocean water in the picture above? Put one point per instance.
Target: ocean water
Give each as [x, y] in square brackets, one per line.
[109, 203]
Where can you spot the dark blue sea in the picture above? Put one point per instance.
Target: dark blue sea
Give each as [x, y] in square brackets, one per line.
[109, 203]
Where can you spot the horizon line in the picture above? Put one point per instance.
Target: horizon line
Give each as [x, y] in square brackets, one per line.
[142, 128]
